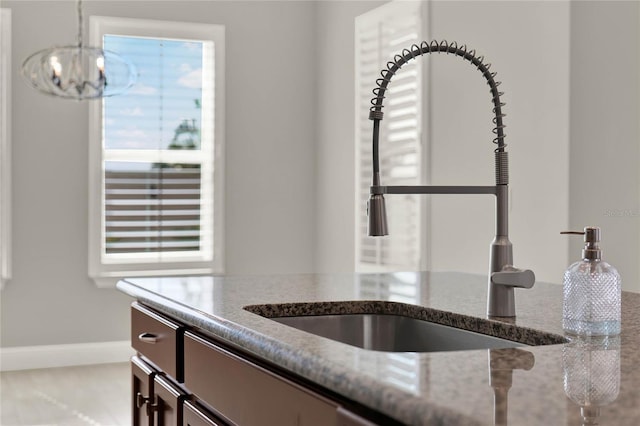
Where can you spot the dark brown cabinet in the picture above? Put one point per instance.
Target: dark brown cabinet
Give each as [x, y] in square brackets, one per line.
[155, 400]
[158, 339]
[142, 376]
[215, 374]
[167, 404]
[195, 416]
[182, 378]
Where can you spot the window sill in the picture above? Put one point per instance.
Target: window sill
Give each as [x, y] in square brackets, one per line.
[109, 280]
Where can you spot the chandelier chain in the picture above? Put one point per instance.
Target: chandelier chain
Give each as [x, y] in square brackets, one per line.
[80, 23]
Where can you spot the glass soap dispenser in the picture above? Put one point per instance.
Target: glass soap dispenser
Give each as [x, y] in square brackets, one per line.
[592, 292]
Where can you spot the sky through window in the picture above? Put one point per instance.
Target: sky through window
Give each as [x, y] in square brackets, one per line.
[162, 111]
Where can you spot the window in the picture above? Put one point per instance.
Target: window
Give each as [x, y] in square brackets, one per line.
[156, 153]
[380, 34]
[5, 153]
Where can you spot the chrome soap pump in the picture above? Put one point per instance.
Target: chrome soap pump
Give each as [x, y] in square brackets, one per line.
[592, 291]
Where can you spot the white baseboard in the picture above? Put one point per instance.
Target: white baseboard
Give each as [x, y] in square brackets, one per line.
[48, 356]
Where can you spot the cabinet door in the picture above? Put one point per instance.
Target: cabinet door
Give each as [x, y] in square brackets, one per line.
[142, 391]
[194, 416]
[167, 404]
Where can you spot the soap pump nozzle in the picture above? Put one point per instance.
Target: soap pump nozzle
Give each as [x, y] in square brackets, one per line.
[591, 250]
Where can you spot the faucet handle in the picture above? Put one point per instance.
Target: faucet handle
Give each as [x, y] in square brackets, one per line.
[514, 277]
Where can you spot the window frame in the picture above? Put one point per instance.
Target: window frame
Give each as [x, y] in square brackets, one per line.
[5, 148]
[106, 272]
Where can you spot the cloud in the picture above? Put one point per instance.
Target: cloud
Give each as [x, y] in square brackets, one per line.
[130, 138]
[132, 112]
[141, 89]
[131, 133]
[192, 79]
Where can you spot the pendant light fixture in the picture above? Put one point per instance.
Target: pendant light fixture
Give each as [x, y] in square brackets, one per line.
[79, 72]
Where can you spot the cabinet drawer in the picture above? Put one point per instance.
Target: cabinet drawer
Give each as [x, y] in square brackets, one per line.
[158, 339]
[247, 394]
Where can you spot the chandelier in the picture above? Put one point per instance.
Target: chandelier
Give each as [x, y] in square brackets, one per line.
[79, 72]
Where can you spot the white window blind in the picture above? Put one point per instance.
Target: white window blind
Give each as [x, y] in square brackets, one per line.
[380, 35]
[5, 152]
[157, 208]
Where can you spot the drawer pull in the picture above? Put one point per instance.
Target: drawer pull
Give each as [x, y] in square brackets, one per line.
[141, 400]
[148, 338]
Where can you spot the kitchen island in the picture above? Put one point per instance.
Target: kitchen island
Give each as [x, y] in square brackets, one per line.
[528, 385]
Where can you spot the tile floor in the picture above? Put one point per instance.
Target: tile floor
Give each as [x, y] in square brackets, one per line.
[96, 395]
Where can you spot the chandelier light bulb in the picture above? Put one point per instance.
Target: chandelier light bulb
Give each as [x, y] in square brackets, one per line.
[56, 65]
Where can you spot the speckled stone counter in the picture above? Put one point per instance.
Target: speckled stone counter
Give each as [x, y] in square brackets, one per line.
[530, 385]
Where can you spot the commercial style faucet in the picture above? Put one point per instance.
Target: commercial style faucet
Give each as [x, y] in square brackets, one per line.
[503, 276]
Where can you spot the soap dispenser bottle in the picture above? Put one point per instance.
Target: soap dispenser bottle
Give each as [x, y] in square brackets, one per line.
[592, 292]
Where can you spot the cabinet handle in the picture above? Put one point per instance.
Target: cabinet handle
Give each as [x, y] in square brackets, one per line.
[152, 406]
[148, 338]
[141, 400]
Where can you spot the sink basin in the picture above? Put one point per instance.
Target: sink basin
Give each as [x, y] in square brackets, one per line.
[400, 327]
[394, 333]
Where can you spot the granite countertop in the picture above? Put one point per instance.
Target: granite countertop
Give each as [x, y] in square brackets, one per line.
[530, 385]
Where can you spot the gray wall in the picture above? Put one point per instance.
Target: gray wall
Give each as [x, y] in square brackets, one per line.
[605, 147]
[335, 149]
[270, 163]
[535, 82]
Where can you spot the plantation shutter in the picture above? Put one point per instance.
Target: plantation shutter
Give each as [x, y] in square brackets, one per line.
[380, 35]
[152, 211]
[155, 194]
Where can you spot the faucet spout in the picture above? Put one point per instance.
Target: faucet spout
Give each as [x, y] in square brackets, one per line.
[503, 277]
[377, 213]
